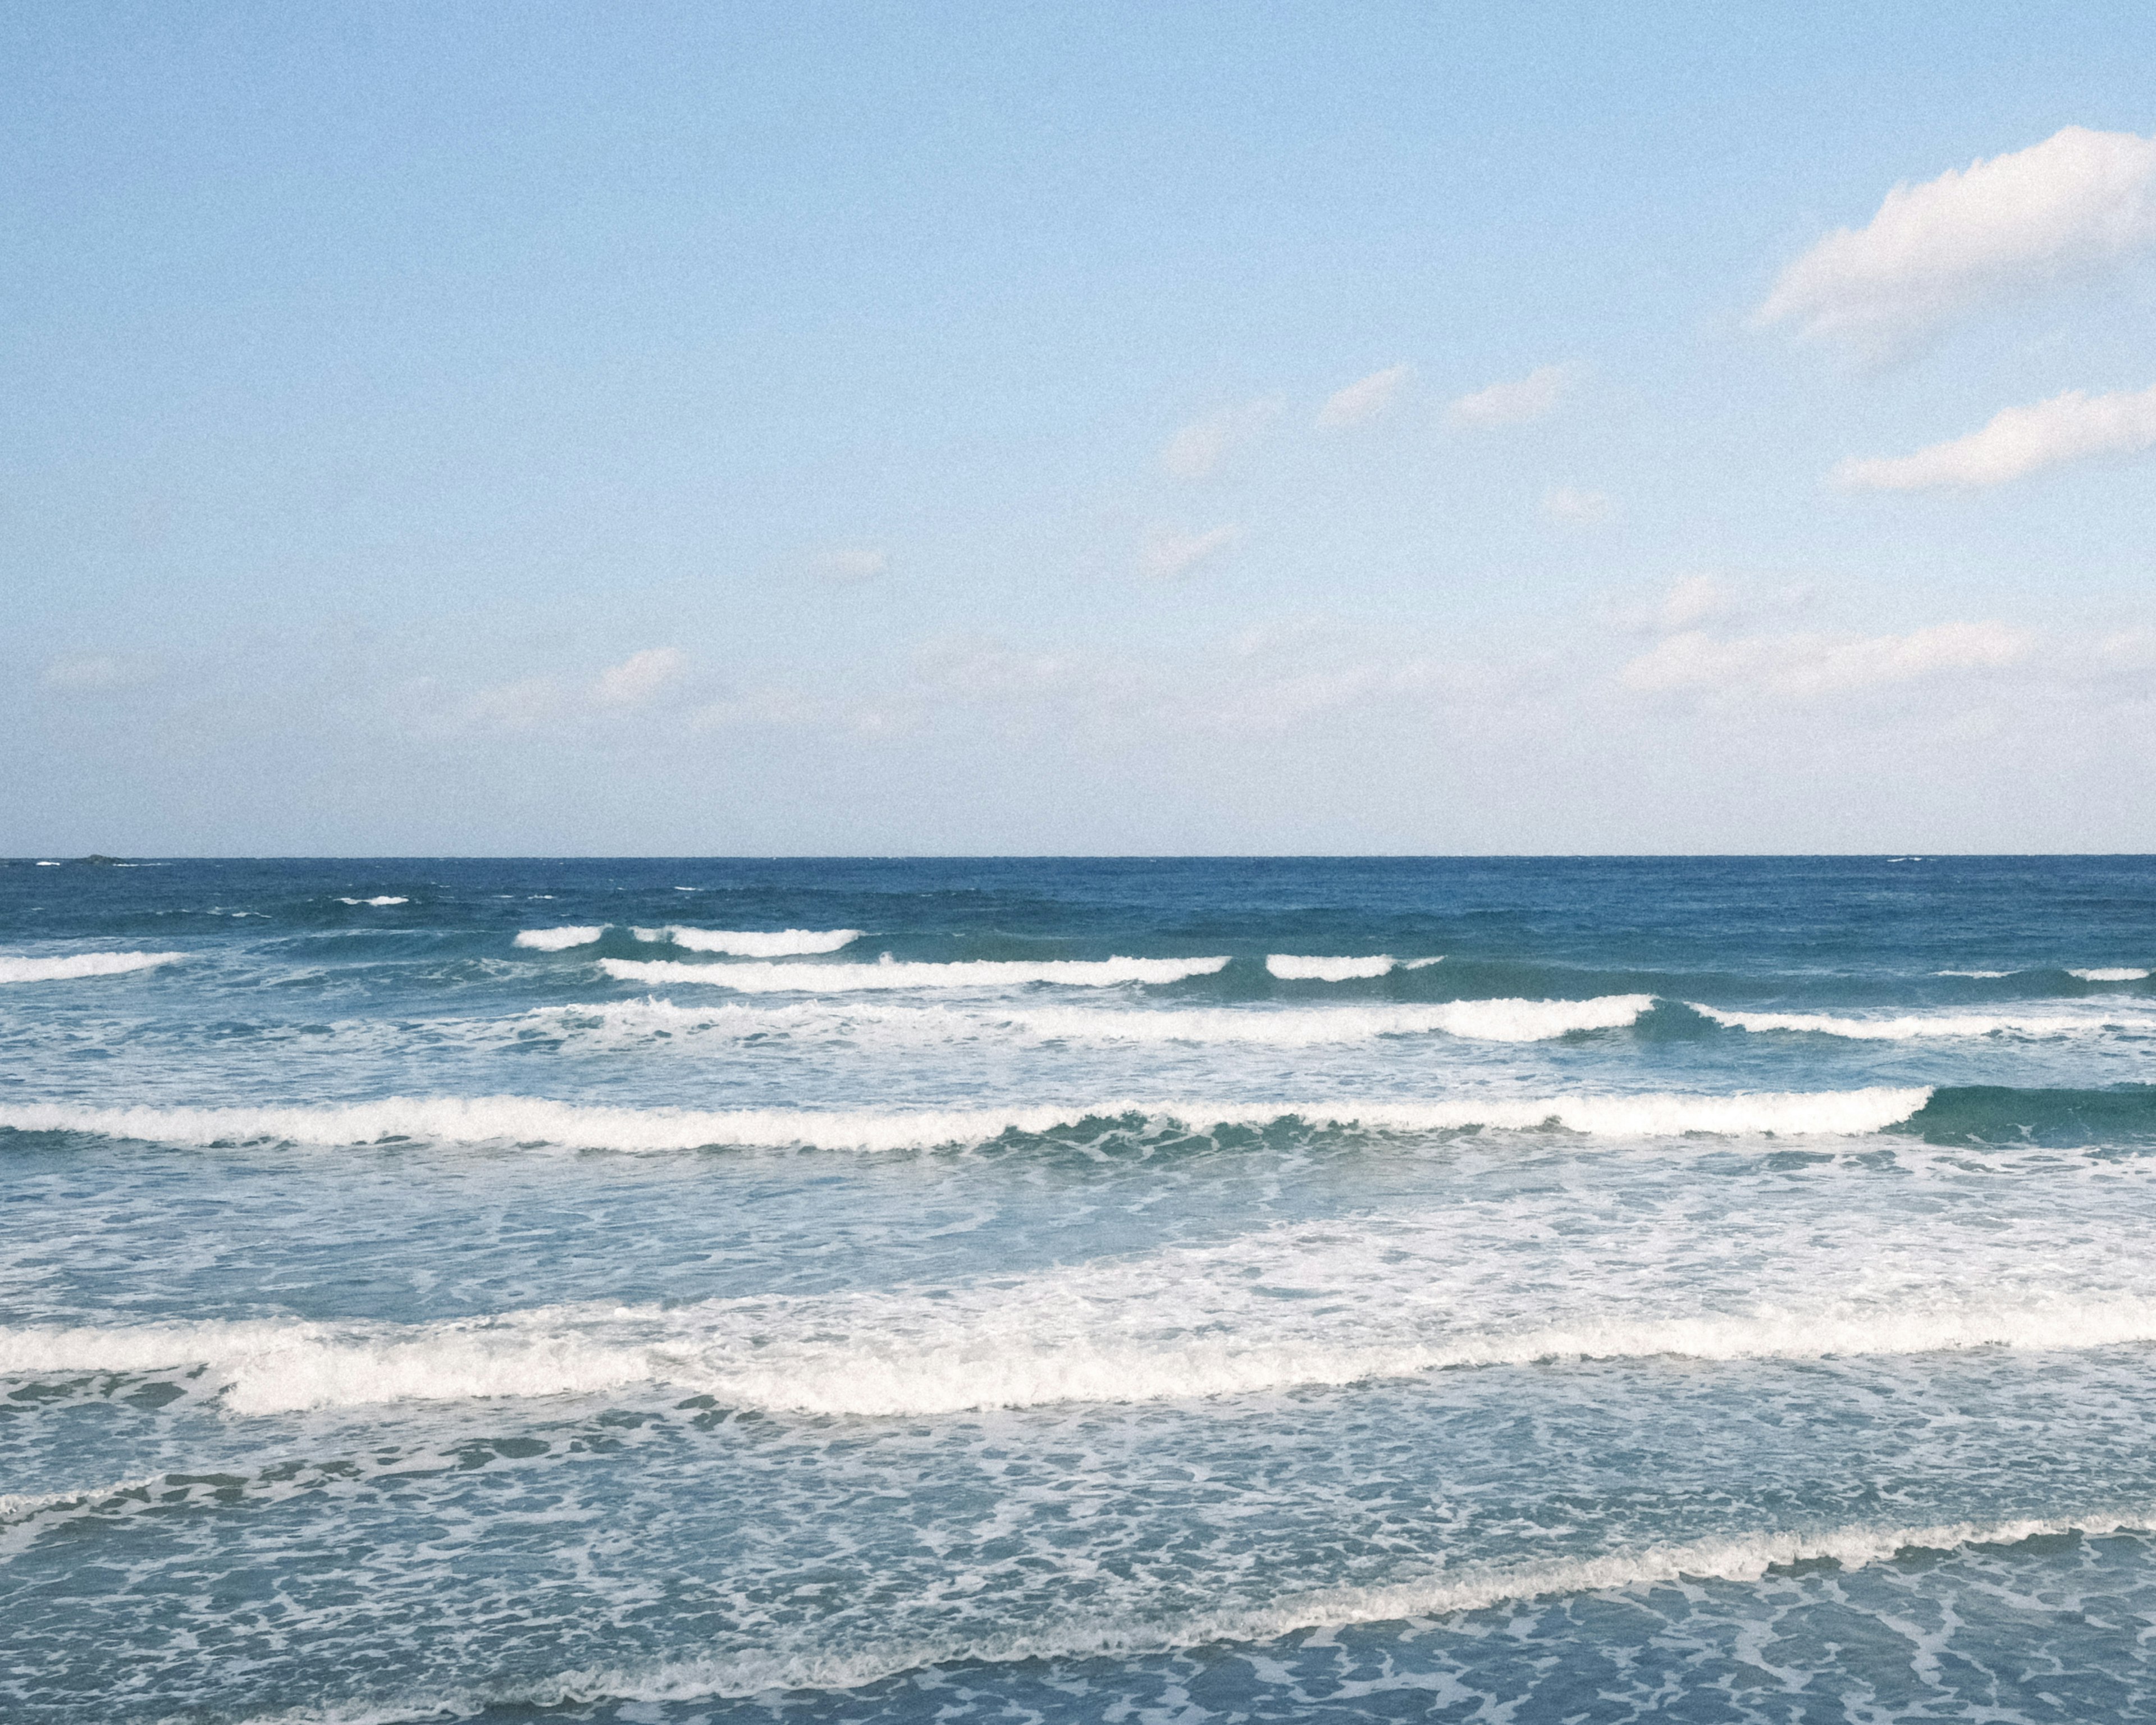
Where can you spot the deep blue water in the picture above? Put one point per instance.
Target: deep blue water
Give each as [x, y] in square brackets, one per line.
[682, 1291]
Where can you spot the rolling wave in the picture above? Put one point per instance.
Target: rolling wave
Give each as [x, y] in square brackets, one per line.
[749, 943]
[1290, 968]
[475, 1120]
[16, 968]
[1478, 1020]
[1916, 1026]
[2116, 973]
[983, 973]
[559, 940]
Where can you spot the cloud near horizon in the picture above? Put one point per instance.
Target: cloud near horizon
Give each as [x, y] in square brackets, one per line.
[1816, 663]
[2016, 442]
[1997, 230]
[1364, 399]
[1515, 403]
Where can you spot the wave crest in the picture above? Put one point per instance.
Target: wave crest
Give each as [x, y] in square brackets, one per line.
[749, 943]
[1290, 968]
[559, 940]
[15, 968]
[983, 973]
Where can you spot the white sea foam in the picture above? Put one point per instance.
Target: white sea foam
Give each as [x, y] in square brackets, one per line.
[1916, 1026]
[15, 968]
[774, 1665]
[558, 940]
[1972, 972]
[1291, 967]
[385, 900]
[751, 943]
[1060, 1339]
[471, 1120]
[989, 974]
[2118, 973]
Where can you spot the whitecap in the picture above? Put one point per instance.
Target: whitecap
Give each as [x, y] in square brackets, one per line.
[385, 900]
[1291, 967]
[2116, 973]
[988, 973]
[15, 968]
[751, 943]
[1917, 1026]
[522, 1120]
[557, 940]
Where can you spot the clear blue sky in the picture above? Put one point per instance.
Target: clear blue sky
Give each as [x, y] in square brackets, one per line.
[732, 428]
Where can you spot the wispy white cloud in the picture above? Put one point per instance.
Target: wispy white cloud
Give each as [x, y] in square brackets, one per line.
[2017, 442]
[1364, 399]
[1997, 228]
[638, 677]
[851, 563]
[1514, 403]
[1588, 509]
[1168, 554]
[89, 673]
[1197, 449]
[1819, 663]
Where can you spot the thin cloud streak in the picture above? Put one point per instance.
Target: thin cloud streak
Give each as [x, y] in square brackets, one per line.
[2017, 442]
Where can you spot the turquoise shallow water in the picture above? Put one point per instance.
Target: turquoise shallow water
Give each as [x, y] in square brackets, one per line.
[679, 1291]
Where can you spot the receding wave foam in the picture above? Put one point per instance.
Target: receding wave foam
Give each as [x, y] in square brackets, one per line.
[775, 1666]
[986, 973]
[1290, 968]
[2116, 973]
[751, 943]
[1918, 1026]
[560, 940]
[474, 1120]
[16, 968]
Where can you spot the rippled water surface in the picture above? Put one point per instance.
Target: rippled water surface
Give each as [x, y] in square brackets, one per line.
[688, 1291]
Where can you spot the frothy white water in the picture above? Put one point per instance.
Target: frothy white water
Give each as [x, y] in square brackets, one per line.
[751, 943]
[1479, 1020]
[16, 968]
[1291, 968]
[385, 900]
[986, 973]
[560, 940]
[1972, 972]
[1055, 1339]
[1915, 1026]
[2121, 973]
[776, 1666]
[474, 1120]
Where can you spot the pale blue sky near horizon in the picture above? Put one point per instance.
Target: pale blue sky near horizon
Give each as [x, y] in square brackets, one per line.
[739, 428]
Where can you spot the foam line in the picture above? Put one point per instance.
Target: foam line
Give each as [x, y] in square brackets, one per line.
[1918, 1025]
[559, 940]
[2117, 973]
[1290, 968]
[477, 1119]
[772, 1667]
[986, 973]
[15, 968]
[749, 943]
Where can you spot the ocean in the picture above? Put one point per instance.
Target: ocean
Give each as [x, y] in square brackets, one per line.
[679, 1292]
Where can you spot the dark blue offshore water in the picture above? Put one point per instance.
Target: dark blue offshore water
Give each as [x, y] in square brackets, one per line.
[693, 1290]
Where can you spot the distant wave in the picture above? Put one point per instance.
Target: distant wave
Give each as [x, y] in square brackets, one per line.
[774, 1665]
[1915, 1026]
[557, 940]
[385, 900]
[1972, 972]
[1291, 968]
[15, 968]
[1481, 1020]
[529, 1120]
[2121, 974]
[749, 943]
[986, 973]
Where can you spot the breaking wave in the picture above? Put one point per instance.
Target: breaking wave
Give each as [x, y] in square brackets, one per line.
[1915, 1026]
[749, 943]
[475, 1120]
[16, 968]
[385, 899]
[1291, 968]
[985, 973]
[2117, 973]
[1478, 1020]
[558, 940]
